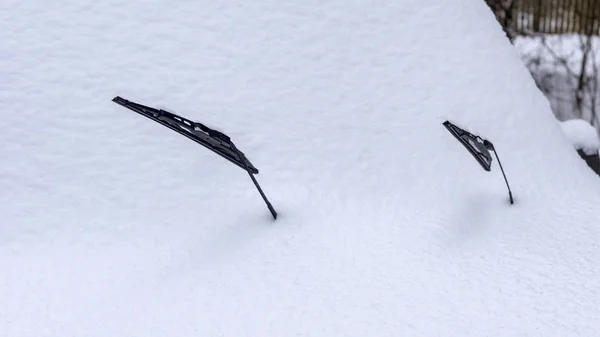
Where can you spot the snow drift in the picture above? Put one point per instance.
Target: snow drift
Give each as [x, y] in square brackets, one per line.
[115, 226]
[582, 135]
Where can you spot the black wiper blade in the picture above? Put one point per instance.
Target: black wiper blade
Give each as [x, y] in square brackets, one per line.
[480, 150]
[213, 140]
[476, 146]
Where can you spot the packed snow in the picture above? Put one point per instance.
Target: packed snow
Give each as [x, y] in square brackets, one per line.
[582, 135]
[113, 225]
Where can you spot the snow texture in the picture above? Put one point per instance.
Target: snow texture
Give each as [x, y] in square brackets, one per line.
[582, 135]
[113, 225]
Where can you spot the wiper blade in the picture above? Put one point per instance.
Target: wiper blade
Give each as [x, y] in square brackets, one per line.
[476, 146]
[213, 140]
[480, 150]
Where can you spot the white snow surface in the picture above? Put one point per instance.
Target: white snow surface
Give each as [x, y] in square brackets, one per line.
[113, 225]
[582, 135]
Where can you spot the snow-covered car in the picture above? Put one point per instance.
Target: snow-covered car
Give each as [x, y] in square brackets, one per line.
[111, 225]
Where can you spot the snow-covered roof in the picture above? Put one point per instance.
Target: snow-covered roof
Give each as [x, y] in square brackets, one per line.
[113, 225]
